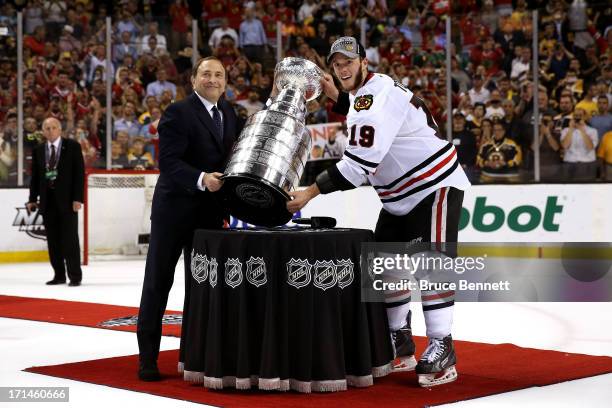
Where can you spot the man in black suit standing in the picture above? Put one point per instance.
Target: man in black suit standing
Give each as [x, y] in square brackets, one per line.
[58, 173]
[195, 137]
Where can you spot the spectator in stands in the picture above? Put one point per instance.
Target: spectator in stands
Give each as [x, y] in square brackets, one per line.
[181, 22]
[148, 130]
[320, 42]
[8, 150]
[477, 115]
[158, 46]
[466, 146]
[252, 104]
[253, 40]
[158, 87]
[316, 113]
[98, 62]
[579, 141]
[128, 121]
[604, 153]
[602, 120]
[54, 12]
[67, 41]
[127, 22]
[125, 48]
[522, 63]
[165, 99]
[150, 102]
[227, 52]
[500, 158]
[123, 139]
[566, 107]
[307, 11]
[478, 93]
[218, 33]
[525, 136]
[36, 42]
[550, 149]
[33, 15]
[509, 120]
[486, 129]
[138, 158]
[119, 159]
[153, 48]
[589, 101]
[494, 107]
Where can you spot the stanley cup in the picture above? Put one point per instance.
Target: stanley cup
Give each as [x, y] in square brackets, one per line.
[270, 155]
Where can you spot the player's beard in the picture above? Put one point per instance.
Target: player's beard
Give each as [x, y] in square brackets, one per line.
[357, 83]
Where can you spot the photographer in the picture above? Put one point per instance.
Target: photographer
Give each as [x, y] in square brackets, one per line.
[579, 141]
[550, 149]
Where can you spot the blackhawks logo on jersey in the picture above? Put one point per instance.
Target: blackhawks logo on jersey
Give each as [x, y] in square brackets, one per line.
[363, 102]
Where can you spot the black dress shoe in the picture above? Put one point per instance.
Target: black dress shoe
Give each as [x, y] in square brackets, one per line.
[56, 282]
[74, 284]
[148, 371]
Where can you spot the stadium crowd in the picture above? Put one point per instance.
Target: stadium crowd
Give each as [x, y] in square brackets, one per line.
[491, 69]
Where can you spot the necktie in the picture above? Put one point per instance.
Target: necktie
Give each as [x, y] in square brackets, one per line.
[217, 119]
[52, 158]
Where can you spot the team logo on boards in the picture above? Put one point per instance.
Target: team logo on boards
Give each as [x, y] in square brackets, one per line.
[256, 271]
[30, 222]
[233, 272]
[298, 273]
[363, 102]
[344, 273]
[199, 266]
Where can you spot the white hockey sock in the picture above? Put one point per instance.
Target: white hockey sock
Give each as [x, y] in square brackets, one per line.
[397, 316]
[438, 322]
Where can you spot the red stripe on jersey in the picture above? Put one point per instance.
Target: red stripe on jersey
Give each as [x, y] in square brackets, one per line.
[422, 176]
[438, 296]
[397, 294]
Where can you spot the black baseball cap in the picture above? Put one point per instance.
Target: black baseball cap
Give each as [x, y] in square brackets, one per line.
[348, 46]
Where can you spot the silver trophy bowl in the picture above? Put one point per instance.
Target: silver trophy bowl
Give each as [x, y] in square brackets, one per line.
[270, 155]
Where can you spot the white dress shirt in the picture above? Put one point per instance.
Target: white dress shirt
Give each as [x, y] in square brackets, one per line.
[208, 105]
[57, 144]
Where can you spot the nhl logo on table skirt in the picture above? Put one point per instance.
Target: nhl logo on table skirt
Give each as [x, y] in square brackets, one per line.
[256, 271]
[298, 273]
[233, 272]
[212, 272]
[199, 266]
[324, 274]
[344, 273]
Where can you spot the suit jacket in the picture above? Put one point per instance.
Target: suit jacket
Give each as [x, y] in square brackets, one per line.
[70, 176]
[189, 144]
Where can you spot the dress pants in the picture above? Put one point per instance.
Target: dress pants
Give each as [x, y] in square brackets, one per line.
[166, 243]
[62, 228]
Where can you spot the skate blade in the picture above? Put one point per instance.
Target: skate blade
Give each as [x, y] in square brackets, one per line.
[431, 380]
[405, 363]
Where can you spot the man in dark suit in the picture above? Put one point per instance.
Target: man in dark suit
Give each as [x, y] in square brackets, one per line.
[58, 173]
[195, 137]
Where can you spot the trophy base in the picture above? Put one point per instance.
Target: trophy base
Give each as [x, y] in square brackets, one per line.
[255, 200]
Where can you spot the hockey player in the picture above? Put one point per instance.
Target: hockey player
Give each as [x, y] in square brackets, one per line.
[394, 143]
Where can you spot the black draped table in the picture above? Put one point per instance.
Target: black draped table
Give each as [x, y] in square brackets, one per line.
[281, 310]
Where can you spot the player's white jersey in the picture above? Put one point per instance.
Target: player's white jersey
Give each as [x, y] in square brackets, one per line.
[393, 142]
